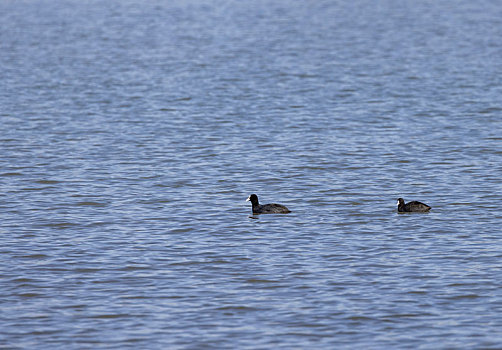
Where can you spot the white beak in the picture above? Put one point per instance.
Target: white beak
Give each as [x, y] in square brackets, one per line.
[249, 198]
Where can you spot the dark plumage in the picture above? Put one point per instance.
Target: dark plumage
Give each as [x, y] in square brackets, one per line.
[266, 208]
[413, 206]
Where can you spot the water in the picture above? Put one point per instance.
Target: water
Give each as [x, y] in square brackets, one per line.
[132, 133]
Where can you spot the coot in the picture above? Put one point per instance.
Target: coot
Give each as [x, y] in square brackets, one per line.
[266, 208]
[413, 206]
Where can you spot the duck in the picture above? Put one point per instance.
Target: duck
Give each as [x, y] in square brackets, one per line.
[271, 208]
[413, 206]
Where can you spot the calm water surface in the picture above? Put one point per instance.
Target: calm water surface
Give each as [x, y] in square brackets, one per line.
[131, 134]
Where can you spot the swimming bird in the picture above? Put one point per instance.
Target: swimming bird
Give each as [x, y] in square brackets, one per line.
[413, 206]
[271, 208]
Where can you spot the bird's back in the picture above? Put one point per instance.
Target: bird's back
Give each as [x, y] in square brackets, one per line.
[271, 208]
[417, 206]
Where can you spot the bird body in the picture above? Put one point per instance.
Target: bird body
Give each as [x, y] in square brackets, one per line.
[413, 206]
[271, 208]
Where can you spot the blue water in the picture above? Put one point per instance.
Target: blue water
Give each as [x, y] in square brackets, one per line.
[131, 134]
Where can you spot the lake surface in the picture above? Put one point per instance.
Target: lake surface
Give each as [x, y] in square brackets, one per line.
[131, 134]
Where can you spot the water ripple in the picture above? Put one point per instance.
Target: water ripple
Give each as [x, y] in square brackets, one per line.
[132, 135]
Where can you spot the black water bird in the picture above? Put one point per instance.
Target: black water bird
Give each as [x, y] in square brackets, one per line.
[271, 208]
[413, 206]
